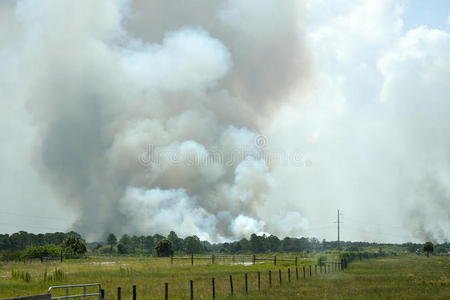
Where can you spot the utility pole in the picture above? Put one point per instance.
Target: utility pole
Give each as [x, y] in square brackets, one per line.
[338, 229]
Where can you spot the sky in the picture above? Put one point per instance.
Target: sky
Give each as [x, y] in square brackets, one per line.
[364, 126]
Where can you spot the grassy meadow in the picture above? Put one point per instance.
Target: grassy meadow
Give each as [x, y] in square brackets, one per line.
[396, 277]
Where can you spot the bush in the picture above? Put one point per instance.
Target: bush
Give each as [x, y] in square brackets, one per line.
[164, 248]
[74, 244]
[11, 255]
[42, 251]
[122, 248]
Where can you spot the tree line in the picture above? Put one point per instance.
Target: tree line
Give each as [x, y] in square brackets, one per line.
[22, 240]
[23, 245]
[42, 244]
[254, 244]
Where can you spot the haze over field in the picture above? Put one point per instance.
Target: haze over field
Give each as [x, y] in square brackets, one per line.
[224, 118]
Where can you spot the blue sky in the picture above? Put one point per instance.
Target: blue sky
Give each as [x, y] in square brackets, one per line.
[432, 13]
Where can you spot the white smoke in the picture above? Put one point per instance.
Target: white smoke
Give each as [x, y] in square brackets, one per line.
[151, 116]
[376, 127]
[143, 130]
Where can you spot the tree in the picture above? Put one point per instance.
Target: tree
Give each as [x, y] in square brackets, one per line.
[273, 243]
[428, 247]
[164, 248]
[42, 251]
[177, 243]
[111, 240]
[192, 244]
[149, 243]
[256, 243]
[124, 244]
[74, 244]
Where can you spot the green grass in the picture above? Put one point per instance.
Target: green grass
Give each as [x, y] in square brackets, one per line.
[399, 277]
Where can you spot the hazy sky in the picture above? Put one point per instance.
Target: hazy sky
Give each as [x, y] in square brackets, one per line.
[370, 121]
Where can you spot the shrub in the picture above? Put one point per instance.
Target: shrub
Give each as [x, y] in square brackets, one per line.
[164, 248]
[74, 244]
[42, 251]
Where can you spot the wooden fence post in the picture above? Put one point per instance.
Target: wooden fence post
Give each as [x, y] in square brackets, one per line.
[275, 260]
[246, 284]
[304, 273]
[192, 289]
[310, 273]
[254, 258]
[166, 291]
[102, 294]
[134, 292]
[192, 259]
[270, 278]
[119, 293]
[315, 270]
[279, 275]
[231, 285]
[259, 280]
[296, 272]
[296, 261]
[213, 289]
[289, 275]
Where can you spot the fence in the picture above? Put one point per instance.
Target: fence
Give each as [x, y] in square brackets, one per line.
[286, 274]
[233, 259]
[268, 277]
[305, 272]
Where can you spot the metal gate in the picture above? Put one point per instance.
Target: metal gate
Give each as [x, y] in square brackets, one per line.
[67, 288]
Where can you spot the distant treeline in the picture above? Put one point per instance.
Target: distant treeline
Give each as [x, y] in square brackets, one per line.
[24, 245]
[22, 240]
[255, 244]
[192, 244]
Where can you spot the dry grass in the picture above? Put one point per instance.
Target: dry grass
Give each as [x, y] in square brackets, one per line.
[405, 277]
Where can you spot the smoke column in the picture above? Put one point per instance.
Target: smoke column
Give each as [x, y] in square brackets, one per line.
[225, 118]
[149, 112]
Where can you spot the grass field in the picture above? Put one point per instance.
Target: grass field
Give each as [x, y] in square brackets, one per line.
[398, 277]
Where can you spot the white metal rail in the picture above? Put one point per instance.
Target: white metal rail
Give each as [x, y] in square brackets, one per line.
[84, 286]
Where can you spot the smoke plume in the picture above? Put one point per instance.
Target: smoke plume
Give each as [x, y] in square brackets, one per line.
[149, 112]
[222, 118]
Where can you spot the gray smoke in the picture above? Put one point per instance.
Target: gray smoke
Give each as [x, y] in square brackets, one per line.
[149, 112]
[212, 117]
